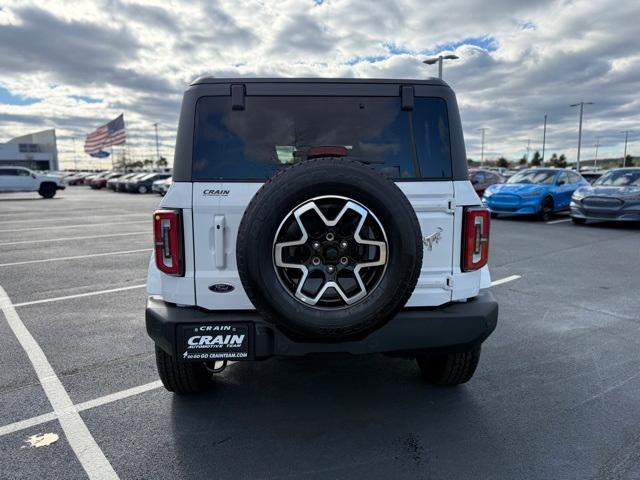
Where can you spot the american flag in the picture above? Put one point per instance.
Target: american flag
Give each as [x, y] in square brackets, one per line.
[113, 133]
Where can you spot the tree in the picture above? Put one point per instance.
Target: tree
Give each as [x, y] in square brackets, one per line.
[162, 162]
[502, 163]
[562, 161]
[628, 160]
[523, 160]
[536, 161]
[558, 162]
[147, 162]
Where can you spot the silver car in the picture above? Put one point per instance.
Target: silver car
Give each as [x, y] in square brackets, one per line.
[614, 196]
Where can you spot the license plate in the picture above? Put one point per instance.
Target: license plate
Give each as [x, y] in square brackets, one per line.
[207, 342]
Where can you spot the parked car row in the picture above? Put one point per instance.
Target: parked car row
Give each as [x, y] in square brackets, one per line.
[545, 191]
[134, 182]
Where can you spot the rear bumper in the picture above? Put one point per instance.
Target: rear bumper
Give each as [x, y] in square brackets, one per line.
[456, 326]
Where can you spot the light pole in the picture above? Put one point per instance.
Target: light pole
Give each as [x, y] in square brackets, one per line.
[439, 59]
[528, 147]
[75, 155]
[544, 137]
[482, 150]
[157, 146]
[581, 105]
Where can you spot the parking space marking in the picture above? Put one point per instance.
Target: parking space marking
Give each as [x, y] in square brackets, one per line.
[80, 407]
[501, 281]
[118, 396]
[67, 239]
[58, 259]
[49, 219]
[562, 220]
[80, 440]
[74, 226]
[28, 423]
[79, 295]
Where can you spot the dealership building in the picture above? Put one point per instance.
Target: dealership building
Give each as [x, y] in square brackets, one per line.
[37, 151]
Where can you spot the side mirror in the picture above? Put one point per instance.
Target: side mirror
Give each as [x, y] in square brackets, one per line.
[561, 182]
[33, 175]
[474, 182]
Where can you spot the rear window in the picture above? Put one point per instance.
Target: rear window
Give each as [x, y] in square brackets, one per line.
[272, 132]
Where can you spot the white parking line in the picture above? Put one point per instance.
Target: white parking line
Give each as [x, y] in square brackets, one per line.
[118, 396]
[505, 280]
[562, 220]
[67, 239]
[80, 407]
[28, 423]
[79, 295]
[75, 257]
[49, 219]
[74, 226]
[80, 440]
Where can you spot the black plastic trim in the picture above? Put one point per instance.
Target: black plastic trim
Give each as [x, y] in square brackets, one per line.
[452, 327]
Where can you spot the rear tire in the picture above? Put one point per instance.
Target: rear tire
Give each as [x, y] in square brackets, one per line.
[449, 368]
[142, 189]
[181, 378]
[494, 215]
[578, 221]
[47, 190]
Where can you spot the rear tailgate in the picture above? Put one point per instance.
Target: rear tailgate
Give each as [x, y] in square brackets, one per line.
[218, 210]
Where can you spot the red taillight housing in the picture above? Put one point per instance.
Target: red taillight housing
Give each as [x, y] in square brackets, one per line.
[167, 236]
[475, 243]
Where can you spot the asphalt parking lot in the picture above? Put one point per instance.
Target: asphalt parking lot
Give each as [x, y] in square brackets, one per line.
[556, 395]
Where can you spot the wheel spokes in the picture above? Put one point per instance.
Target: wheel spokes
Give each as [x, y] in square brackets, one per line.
[331, 281]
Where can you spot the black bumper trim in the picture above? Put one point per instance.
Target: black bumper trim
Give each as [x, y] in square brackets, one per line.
[455, 326]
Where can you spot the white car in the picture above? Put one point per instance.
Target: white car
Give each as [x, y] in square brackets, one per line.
[20, 179]
[319, 216]
[161, 186]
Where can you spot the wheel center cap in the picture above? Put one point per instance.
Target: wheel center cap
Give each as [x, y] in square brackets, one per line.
[331, 254]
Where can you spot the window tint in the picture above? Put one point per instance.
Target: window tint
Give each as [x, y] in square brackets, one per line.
[23, 173]
[431, 126]
[574, 177]
[8, 172]
[275, 131]
[563, 178]
[480, 177]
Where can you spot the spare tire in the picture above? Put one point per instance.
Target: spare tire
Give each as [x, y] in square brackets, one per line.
[329, 250]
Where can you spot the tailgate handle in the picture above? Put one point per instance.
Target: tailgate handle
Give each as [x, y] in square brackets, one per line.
[218, 237]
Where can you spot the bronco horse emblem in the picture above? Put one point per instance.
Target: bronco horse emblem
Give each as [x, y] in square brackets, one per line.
[434, 238]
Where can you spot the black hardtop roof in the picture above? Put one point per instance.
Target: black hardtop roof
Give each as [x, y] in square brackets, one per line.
[427, 81]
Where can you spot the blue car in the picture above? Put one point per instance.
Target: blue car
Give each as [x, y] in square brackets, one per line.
[536, 191]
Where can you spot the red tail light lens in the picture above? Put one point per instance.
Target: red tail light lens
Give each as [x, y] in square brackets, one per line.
[167, 233]
[475, 248]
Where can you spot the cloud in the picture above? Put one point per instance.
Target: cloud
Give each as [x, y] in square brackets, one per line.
[518, 61]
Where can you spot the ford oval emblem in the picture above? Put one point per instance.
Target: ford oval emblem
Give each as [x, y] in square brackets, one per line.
[221, 288]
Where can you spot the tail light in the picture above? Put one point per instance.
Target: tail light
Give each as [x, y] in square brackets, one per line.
[475, 248]
[167, 233]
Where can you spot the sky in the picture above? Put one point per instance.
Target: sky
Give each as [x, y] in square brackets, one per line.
[75, 65]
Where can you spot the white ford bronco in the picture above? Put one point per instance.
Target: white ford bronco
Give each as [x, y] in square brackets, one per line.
[20, 179]
[319, 216]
